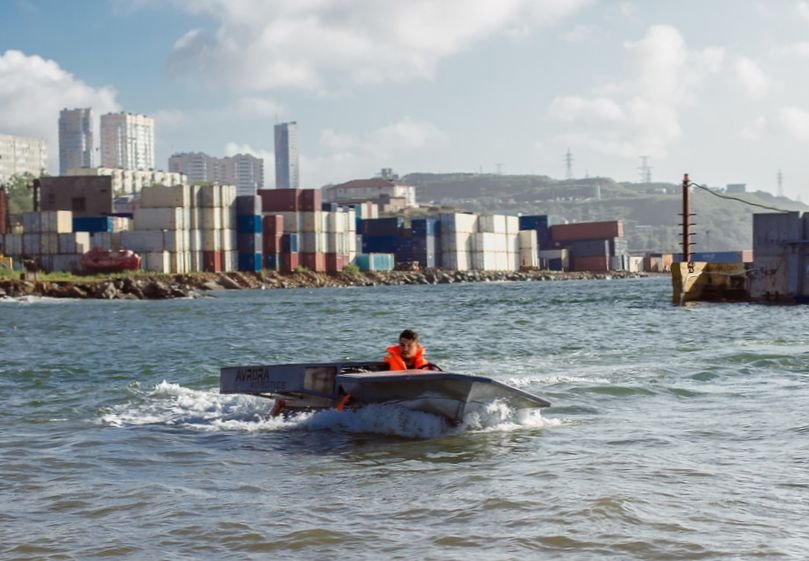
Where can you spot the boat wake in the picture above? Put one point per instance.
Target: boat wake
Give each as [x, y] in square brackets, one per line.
[170, 404]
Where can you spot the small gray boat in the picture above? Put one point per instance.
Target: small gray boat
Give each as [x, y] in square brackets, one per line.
[336, 385]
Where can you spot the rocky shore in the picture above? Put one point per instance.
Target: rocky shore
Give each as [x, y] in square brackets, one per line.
[159, 287]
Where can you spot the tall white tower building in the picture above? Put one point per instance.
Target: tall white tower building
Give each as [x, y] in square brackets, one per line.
[75, 139]
[287, 173]
[127, 141]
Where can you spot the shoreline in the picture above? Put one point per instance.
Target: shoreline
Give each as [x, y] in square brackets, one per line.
[163, 287]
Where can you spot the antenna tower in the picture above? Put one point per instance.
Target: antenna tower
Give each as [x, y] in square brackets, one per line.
[645, 170]
[780, 184]
[569, 164]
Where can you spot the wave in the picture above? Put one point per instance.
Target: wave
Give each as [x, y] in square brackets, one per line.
[171, 404]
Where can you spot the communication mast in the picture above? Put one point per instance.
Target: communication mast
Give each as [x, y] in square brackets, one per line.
[645, 170]
[780, 184]
[569, 164]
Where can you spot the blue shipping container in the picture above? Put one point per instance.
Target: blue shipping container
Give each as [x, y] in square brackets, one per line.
[378, 244]
[249, 243]
[289, 243]
[249, 224]
[92, 224]
[428, 226]
[250, 262]
[272, 262]
[247, 205]
[374, 261]
[381, 226]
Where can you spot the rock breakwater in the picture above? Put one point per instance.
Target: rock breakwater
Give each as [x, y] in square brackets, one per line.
[158, 287]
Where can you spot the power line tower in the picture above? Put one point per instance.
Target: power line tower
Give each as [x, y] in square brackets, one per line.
[645, 170]
[499, 167]
[569, 164]
[780, 184]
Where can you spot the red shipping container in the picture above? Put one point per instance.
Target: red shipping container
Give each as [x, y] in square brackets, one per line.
[3, 210]
[212, 261]
[289, 262]
[592, 264]
[587, 231]
[279, 200]
[273, 224]
[311, 199]
[315, 262]
[271, 243]
[336, 262]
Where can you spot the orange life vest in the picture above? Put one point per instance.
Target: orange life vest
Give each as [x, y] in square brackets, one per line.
[396, 362]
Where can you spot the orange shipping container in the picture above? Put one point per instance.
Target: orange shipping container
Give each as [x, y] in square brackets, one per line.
[315, 262]
[592, 264]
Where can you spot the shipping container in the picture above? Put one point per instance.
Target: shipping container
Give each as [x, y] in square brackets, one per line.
[293, 221]
[591, 264]
[92, 224]
[425, 226]
[330, 207]
[289, 243]
[142, 240]
[273, 224]
[455, 260]
[389, 227]
[311, 242]
[717, 256]
[315, 262]
[159, 219]
[374, 261]
[209, 218]
[772, 231]
[311, 200]
[212, 261]
[272, 243]
[74, 243]
[279, 200]
[460, 223]
[209, 196]
[68, 263]
[249, 243]
[492, 223]
[272, 261]
[248, 205]
[249, 262]
[156, 261]
[378, 244]
[165, 197]
[336, 262]
[289, 262]
[587, 231]
[554, 259]
[588, 248]
[251, 224]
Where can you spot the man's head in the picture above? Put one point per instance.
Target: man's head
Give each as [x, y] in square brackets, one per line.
[408, 343]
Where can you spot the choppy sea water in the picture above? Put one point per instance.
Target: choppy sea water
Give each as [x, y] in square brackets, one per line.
[675, 433]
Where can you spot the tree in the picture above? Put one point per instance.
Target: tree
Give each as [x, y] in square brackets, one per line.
[20, 192]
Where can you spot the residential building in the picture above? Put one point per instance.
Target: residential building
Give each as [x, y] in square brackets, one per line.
[84, 195]
[127, 141]
[20, 154]
[287, 169]
[75, 139]
[130, 181]
[244, 171]
[389, 194]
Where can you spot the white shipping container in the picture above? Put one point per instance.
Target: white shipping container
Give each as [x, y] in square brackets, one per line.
[230, 260]
[165, 197]
[351, 221]
[209, 196]
[485, 261]
[455, 260]
[311, 242]
[156, 261]
[180, 262]
[512, 261]
[149, 241]
[210, 218]
[490, 242]
[74, 243]
[196, 261]
[56, 221]
[293, 221]
[229, 239]
[463, 242]
[459, 223]
[175, 240]
[159, 219]
[229, 216]
[494, 223]
[512, 224]
[229, 194]
[211, 240]
[311, 221]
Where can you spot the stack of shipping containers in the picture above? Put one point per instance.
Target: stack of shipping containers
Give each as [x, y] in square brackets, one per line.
[48, 238]
[161, 233]
[458, 240]
[213, 228]
[249, 228]
[592, 245]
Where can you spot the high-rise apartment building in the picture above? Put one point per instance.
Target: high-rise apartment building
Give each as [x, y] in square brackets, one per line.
[127, 141]
[244, 171]
[287, 172]
[75, 139]
[20, 154]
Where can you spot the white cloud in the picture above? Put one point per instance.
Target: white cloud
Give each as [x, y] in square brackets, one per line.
[801, 49]
[260, 45]
[32, 92]
[752, 78]
[754, 130]
[795, 122]
[640, 114]
[803, 10]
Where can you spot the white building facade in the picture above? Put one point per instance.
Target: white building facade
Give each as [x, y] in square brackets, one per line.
[127, 141]
[75, 139]
[287, 168]
[128, 181]
[20, 154]
[244, 171]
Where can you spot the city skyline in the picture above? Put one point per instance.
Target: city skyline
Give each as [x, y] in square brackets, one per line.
[633, 89]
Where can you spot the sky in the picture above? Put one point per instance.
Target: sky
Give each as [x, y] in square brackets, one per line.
[718, 89]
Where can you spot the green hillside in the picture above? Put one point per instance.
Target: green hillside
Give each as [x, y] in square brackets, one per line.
[650, 211]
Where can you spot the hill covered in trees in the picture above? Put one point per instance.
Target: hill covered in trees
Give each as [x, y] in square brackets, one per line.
[650, 211]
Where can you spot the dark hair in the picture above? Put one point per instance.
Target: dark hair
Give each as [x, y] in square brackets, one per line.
[409, 334]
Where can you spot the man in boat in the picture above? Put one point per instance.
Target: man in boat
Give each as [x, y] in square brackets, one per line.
[408, 354]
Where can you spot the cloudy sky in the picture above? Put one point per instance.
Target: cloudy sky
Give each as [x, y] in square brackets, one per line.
[715, 88]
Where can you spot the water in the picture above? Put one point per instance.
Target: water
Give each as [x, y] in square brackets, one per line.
[676, 433]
